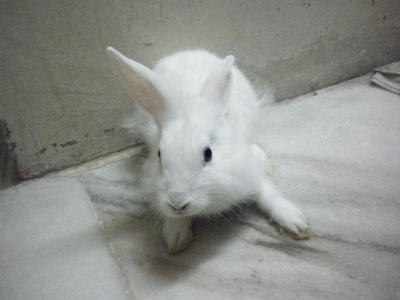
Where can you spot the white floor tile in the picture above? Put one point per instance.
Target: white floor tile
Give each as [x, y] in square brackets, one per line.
[51, 245]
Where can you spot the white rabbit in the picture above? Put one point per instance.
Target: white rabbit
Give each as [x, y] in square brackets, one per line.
[204, 158]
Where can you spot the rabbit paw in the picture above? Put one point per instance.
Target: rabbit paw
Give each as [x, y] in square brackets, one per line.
[289, 220]
[177, 234]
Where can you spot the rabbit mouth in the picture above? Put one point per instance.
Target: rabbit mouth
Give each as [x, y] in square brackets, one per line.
[179, 211]
[186, 210]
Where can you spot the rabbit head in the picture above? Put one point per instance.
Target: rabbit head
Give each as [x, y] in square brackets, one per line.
[195, 144]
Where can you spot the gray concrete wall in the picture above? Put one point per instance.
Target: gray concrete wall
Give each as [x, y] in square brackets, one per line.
[62, 105]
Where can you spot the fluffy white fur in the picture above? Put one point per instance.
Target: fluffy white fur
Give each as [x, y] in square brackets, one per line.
[196, 100]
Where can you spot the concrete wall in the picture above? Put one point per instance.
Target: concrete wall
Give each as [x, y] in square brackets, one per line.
[62, 105]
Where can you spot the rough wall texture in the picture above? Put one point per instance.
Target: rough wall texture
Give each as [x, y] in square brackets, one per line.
[8, 171]
[62, 105]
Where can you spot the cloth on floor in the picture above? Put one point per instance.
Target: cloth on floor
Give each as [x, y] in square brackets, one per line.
[388, 77]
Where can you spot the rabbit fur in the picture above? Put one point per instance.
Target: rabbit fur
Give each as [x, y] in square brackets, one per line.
[200, 115]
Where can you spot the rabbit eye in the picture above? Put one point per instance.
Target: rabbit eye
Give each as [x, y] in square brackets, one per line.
[207, 154]
[159, 154]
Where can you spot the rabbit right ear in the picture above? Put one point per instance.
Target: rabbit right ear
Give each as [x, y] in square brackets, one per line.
[217, 86]
[141, 83]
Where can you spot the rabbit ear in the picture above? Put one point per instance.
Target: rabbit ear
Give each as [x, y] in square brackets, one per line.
[217, 86]
[141, 83]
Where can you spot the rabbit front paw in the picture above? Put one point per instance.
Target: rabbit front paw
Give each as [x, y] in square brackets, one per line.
[177, 234]
[289, 220]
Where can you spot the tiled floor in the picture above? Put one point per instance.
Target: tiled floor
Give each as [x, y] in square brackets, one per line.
[52, 246]
[336, 154]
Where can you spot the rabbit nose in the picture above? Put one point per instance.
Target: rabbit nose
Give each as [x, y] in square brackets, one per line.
[177, 201]
[179, 207]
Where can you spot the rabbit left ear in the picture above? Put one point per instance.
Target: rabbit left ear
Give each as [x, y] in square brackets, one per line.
[141, 83]
[217, 86]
